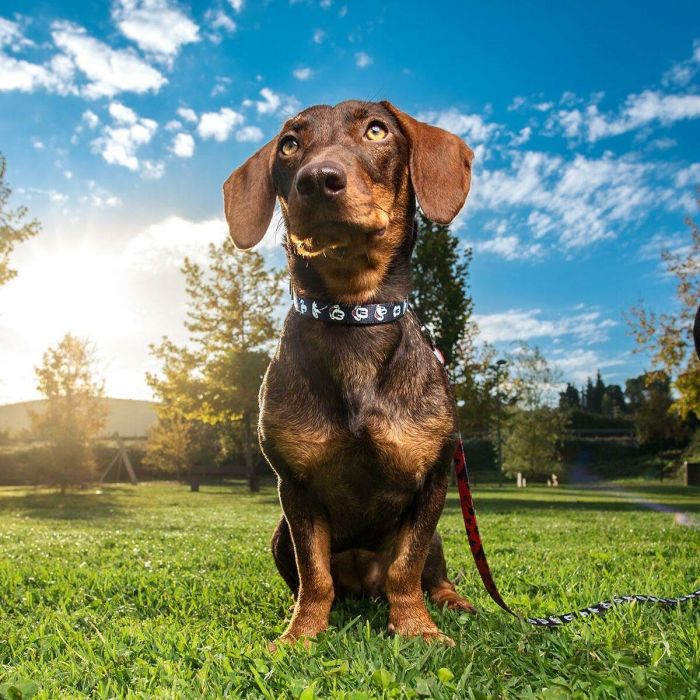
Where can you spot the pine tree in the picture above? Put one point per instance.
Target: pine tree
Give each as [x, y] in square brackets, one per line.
[441, 295]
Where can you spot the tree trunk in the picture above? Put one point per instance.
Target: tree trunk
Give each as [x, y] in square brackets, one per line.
[250, 463]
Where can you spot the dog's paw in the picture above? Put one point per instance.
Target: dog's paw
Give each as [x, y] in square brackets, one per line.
[288, 640]
[447, 598]
[430, 634]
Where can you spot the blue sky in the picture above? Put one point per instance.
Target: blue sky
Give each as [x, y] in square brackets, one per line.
[121, 120]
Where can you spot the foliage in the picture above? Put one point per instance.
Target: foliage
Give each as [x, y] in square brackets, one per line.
[74, 415]
[212, 384]
[667, 337]
[534, 427]
[14, 227]
[441, 298]
[656, 424]
[161, 593]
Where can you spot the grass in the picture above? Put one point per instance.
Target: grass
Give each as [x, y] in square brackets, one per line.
[157, 592]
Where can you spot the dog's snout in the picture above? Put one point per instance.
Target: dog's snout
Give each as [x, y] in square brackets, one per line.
[323, 179]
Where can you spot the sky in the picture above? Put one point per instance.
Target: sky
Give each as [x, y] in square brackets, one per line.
[121, 120]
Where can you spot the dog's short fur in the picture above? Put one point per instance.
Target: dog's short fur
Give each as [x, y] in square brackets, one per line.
[357, 421]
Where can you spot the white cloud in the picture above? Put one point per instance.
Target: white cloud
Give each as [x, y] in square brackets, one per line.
[219, 125]
[152, 170]
[109, 71]
[183, 145]
[157, 27]
[249, 134]
[362, 59]
[219, 20]
[517, 324]
[166, 243]
[319, 36]
[12, 36]
[276, 103]
[90, 118]
[189, 115]
[55, 76]
[639, 110]
[118, 144]
[121, 113]
[38, 144]
[509, 247]
[237, 5]
[472, 127]
[688, 177]
[173, 125]
[302, 73]
[580, 201]
[578, 364]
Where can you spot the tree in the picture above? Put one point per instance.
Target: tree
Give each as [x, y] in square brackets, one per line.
[75, 414]
[667, 337]
[14, 228]
[655, 422]
[441, 295]
[535, 427]
[233, 321]
[178, 441]
[569, 399]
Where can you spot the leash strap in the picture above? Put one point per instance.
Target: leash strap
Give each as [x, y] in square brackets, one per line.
[477, 549]
[467, 505]
[348, 314]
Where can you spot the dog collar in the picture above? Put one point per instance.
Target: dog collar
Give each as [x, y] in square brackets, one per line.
[350, 314]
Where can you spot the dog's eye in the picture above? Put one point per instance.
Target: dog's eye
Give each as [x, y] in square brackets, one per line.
[289, 146]
[376, 132]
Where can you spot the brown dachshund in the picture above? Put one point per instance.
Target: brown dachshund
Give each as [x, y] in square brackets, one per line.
[357, 421]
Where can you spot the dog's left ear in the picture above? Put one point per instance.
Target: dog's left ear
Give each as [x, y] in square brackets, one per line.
[440, 165]
[249, 198]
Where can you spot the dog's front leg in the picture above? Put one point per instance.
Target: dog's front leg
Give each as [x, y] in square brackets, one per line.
[312, 551]
[407, 612]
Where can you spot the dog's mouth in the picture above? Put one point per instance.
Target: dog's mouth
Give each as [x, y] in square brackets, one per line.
[340, 240]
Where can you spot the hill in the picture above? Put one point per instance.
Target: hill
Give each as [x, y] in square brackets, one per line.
[128, 417]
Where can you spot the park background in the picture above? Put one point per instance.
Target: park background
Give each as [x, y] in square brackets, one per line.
[131, 333]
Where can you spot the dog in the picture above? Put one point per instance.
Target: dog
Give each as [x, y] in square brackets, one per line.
[357, 421]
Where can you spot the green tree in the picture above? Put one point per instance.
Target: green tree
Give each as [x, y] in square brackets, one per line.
[656, 424]
[178, 442]
[14, 226]
[569, 399]
[441, 295]
[667, 337]
[233, 322]
[75, 413]
[535, 427]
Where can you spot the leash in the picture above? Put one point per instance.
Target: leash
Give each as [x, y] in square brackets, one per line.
[388, 312]
[477, 549]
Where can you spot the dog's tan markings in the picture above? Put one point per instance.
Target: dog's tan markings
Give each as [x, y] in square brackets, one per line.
[312, 543]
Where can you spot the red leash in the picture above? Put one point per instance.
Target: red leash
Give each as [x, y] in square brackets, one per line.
[467, 504]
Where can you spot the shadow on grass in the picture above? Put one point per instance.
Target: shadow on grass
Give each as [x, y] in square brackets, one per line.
[72, 506]
[636, 501]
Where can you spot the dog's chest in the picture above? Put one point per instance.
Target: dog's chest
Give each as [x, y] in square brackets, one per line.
[374, 435]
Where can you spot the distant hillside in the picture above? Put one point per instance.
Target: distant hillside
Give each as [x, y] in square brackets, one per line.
[127, 417]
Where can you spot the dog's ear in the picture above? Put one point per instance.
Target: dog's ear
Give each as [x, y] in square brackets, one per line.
[249, 198]
[440, 167]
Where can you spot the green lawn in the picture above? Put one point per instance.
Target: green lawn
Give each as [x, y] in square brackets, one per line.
[154, 591]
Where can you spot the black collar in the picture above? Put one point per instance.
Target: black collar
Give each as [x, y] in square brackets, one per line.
[350, 314]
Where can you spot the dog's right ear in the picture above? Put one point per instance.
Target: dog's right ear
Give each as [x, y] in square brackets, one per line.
[249, 198]
[440, 166]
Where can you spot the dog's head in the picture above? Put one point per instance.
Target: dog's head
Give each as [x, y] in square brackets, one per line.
[345, 177]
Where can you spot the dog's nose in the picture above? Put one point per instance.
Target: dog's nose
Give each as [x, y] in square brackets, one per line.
[325, 179]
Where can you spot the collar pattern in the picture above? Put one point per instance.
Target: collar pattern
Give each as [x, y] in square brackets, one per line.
[349, 314]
